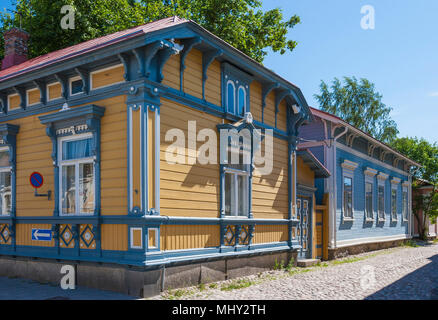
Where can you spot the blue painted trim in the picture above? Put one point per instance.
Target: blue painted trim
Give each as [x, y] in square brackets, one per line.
[89, 115]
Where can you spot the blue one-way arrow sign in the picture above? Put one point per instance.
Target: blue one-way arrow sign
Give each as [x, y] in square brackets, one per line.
[42, 234]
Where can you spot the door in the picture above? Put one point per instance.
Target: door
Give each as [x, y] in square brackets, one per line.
[303, 231]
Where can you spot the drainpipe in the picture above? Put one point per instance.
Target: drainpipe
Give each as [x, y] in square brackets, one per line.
[333, 194]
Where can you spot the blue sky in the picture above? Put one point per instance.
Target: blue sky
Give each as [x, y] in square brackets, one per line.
[400, 56]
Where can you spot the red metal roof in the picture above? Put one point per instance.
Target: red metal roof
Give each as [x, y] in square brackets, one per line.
[336, 119]
[87, 46]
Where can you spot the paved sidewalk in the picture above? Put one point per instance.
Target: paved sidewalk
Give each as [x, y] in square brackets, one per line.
[21, 289]
[404, 273]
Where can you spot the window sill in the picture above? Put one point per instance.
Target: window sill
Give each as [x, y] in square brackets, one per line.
[381, 220]
[369, 220]
[347, 219]
[235, 217]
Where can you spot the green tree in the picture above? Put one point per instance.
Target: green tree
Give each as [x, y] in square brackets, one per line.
[423, 152]
[428, 205]
[358, 103]
[241, 23]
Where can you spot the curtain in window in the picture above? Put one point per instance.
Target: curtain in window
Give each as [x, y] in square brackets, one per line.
[76, 149]
[5, 193]
[4, 159]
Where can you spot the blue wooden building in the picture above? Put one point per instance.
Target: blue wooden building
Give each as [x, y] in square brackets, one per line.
[368, 195]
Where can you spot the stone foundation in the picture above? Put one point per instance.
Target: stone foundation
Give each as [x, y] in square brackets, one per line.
[139, 281]
[362, 248]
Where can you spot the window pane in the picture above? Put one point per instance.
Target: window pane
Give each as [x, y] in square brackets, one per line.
[394, 202]
[405, 205]
[76, 149]
[68, 189]
[4, 159]
[381, 202]
[369, 199]
[76, 86]
[5, 193]
[348, 210]
[228, 191]
[230, 102]
[242, 98]
[86, 187]
[242, 198]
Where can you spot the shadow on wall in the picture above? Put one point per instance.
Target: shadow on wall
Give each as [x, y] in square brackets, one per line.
[422, 284]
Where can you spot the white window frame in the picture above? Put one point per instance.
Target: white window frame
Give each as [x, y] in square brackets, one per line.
[348, 168]
[131, 232]
[70, 81]
[76, 162]
[48, 91]
[394, 186]
[235, 207]
[405, 214]
[381, 181]
[157, 246]
[369, 178]
[9, 101]
[345, 217]
[6, 169]
[27, 97]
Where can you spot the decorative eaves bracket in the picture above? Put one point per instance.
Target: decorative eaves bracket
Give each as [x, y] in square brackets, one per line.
[41, 85]
[188, 45]
[170, 49]
[22, 93]
[266, 89]
[4, 102]
[62, 79]
[85, 76]
[126, 63]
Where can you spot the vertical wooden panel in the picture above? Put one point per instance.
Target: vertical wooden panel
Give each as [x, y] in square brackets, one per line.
[24, 235]
[136, 160]
[179, 237]
[55, 91]
[14, 102]
[305, 175]
[151, 159]
[270, 233]
[114, 237]
[33, 96]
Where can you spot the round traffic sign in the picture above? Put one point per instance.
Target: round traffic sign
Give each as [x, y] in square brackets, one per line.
[36, 179]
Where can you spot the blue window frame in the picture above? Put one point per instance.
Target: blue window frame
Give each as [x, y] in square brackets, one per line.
[235, 90]
[76, 86]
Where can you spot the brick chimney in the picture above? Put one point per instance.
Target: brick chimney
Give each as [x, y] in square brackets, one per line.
[15, 47]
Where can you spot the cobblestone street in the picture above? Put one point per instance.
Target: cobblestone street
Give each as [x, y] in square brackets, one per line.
[397, 273]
